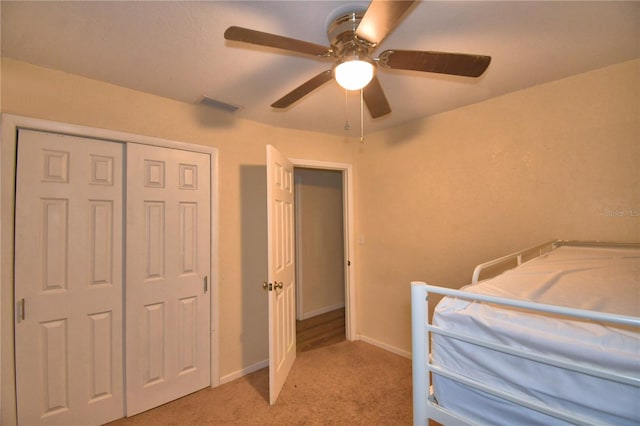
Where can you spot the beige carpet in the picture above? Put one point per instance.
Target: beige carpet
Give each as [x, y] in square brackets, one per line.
[350, 383]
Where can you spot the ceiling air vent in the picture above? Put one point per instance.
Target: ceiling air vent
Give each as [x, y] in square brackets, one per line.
[219, 104]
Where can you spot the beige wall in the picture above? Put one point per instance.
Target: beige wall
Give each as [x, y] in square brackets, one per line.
[47, 94]
[321, 261]
[433, 197]
[439, 195]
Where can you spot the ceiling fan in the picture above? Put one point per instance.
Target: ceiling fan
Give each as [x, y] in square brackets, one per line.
[353, 38]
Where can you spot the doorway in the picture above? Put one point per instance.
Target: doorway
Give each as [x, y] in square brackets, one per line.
[281, 247]
[321, 261]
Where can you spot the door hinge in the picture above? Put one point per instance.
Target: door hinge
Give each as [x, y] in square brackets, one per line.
[206, 284]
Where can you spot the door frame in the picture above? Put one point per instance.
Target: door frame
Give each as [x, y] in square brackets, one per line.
[348, 226]
[9, 126]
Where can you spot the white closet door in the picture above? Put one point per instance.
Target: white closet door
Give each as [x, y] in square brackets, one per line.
[168, 261]
[68, 280]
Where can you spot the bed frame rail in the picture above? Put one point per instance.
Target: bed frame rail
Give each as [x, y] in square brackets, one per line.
[424, 405]
[518, 257]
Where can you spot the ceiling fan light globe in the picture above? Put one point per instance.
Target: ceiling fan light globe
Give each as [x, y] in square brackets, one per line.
[353, 75]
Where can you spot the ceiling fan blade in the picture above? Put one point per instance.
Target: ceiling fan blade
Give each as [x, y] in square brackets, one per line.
[380, 18]
[303, 90]
[272, 40]
[375, 99]
[440, 62]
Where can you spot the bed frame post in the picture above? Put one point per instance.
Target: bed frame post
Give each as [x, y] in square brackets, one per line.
[419, 351]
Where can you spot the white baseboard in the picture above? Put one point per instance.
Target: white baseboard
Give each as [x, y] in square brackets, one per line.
[385, 346]
[307, 315]
[247, 370]
[265, 363]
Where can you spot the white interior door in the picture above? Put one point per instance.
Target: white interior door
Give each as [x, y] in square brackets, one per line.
[168, 303]
[282, 315]
[68, 280]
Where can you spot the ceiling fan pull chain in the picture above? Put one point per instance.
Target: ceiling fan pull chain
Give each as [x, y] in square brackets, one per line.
[362, 115]
[347, 126]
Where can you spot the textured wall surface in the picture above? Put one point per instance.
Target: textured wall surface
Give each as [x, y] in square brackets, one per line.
[432, 197]
[559, 160]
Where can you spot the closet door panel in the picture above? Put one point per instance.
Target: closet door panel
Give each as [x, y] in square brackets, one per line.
[168, 252]
[68, 279]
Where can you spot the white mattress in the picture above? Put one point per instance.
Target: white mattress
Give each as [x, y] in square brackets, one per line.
[606, 280]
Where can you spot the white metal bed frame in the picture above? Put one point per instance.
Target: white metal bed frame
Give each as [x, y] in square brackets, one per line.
[424, 405]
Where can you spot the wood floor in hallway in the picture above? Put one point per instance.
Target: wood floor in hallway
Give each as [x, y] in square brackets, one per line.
[319, 331]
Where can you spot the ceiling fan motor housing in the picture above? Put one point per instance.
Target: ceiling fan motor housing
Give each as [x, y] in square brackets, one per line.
[348, 48]
[342, 36]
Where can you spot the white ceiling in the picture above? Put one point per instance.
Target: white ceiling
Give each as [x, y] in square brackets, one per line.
[176, 49]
